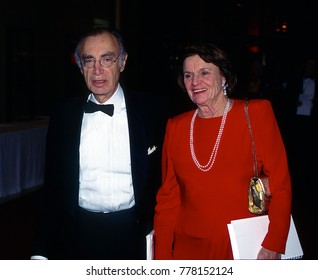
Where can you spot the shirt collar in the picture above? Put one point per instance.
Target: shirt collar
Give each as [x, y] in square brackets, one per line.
[117, 99]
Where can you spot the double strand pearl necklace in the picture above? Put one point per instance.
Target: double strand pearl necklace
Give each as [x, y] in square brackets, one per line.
[211, 161]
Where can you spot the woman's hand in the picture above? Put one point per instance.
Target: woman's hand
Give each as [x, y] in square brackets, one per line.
[265, 254]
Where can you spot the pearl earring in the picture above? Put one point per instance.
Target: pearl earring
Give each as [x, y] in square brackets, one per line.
[224, 89]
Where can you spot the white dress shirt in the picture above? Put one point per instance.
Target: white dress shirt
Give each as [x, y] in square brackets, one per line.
[105, 164]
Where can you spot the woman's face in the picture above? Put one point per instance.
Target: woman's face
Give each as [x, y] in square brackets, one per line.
[203, 81]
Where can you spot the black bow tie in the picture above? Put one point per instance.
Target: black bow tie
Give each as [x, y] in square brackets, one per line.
[92, 107]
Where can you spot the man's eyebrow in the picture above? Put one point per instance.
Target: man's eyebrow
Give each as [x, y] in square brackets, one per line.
[103, 55]
[87, 56]
[108, 54]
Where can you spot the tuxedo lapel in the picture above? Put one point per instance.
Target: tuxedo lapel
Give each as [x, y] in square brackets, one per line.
[138, 144]
[71, 135]
[78, 118]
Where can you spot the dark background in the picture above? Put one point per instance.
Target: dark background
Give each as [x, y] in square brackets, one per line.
[37, 70]
[37, 40]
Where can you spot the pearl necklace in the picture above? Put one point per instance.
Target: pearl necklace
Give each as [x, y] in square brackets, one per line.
[211, 161]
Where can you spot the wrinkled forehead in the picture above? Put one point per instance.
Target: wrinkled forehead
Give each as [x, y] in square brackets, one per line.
[99, 45]
[195, 62]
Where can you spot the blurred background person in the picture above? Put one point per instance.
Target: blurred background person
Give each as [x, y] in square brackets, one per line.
[299, 105]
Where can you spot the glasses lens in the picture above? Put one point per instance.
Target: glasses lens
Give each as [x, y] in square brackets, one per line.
[107, 60]
[88, 62]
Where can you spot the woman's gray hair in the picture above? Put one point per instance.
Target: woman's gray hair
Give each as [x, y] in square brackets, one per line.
[210, 53]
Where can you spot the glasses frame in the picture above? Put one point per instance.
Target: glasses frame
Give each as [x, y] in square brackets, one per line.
[111, 62]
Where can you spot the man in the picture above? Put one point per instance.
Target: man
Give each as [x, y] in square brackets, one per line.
[102, 169]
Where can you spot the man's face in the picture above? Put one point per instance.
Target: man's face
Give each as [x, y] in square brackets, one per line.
[101, 80]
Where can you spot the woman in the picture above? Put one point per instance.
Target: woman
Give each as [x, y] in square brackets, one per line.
[207, 164]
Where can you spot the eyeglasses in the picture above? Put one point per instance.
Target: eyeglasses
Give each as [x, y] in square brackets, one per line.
[106, 61]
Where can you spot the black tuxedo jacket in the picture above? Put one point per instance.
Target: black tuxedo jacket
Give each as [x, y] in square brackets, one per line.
[147, 118]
